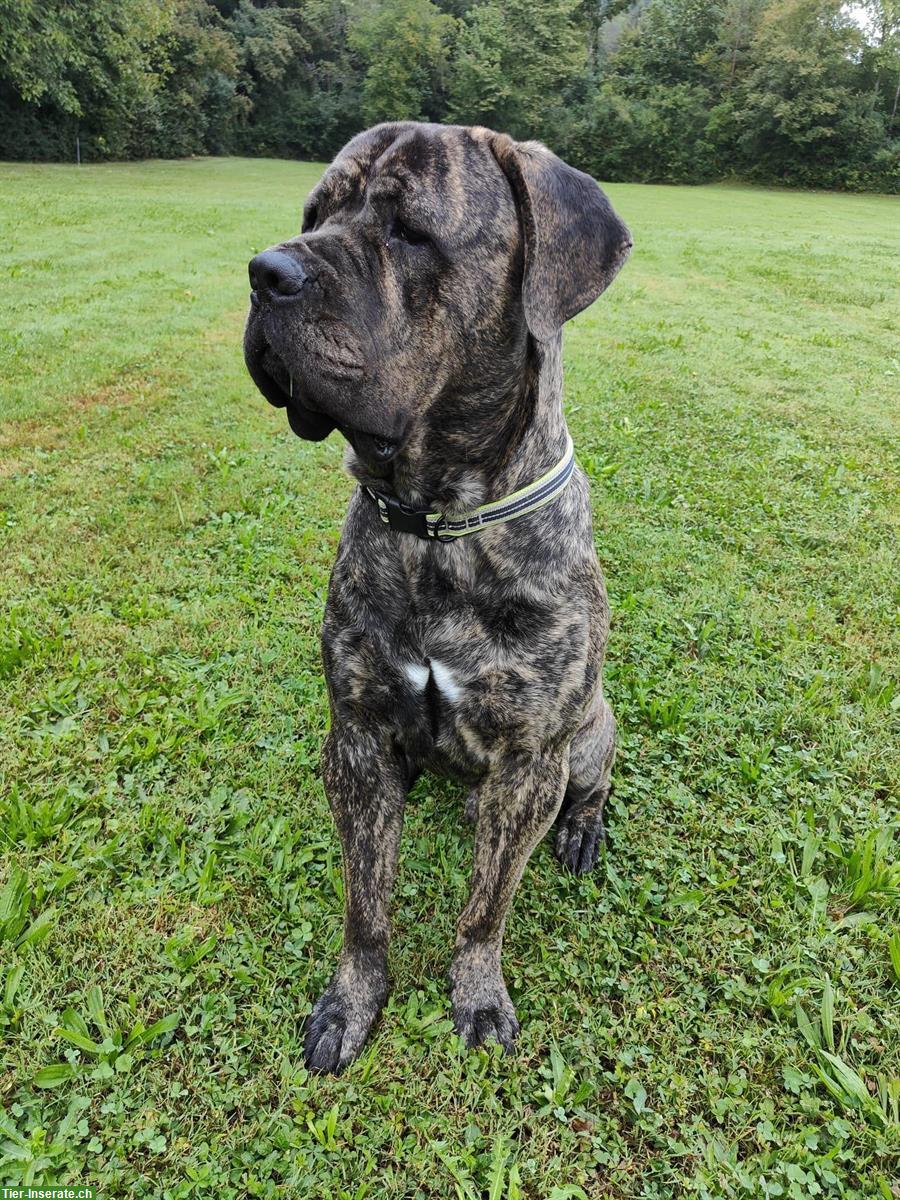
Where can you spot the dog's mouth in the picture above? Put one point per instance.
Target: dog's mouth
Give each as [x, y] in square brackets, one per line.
[283, 389]
[371, 446]
[277, 384]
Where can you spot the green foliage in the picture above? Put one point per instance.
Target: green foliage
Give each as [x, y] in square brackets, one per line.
[680, 91]
[81, 52]
[714, 1013]
[314, 107]
[659, 135]
[669, 43]
[802, 119]
[516, 62]
[403, 45]
[269, 42]
[198, 104]
[90, 65]
[767, 89]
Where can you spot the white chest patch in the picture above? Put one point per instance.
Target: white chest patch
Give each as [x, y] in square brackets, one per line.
[418, 673]
[447, 685]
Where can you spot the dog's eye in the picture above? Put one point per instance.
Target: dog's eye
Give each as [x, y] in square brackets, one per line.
[401, 232]
[309, 219]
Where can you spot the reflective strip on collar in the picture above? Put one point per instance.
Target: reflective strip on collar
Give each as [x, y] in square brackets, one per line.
[435, 526]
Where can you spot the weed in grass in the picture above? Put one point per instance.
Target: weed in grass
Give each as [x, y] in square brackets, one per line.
[116, 1050]
[19, 927]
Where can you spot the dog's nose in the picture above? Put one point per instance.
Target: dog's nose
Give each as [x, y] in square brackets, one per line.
[276, 272]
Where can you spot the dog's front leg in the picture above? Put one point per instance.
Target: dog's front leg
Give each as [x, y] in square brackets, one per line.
[517, 803]
[366, 787]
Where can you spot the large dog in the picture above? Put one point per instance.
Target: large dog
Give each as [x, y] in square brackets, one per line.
[419, 312]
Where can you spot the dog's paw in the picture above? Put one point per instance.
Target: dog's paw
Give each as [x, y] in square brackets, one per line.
[578, 841]
[479, 1025]
[482, 1009]
[339, 1024]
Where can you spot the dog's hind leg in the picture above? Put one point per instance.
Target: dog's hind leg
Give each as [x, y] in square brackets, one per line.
[516, 806]
[470, 808]
[579, 828]
[366, 785]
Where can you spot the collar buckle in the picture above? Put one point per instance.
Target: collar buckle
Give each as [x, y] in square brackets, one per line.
[403, 518]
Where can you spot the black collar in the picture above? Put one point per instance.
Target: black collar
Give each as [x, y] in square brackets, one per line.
[435, 526]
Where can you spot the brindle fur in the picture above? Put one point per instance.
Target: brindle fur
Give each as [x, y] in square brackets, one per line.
[480, 659]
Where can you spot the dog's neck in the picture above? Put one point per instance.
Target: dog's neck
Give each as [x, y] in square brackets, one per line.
[483, 442]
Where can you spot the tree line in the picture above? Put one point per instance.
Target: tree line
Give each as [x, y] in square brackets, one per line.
[795, 92]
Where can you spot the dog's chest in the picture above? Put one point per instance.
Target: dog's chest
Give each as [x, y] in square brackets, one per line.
[451, 654]
[434, 676]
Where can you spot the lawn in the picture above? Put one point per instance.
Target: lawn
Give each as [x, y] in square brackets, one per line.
[714, 1013]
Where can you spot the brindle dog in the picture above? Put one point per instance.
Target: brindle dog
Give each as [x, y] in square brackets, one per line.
[419, 312]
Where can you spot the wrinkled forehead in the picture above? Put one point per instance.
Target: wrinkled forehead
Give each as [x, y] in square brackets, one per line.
[446, 176]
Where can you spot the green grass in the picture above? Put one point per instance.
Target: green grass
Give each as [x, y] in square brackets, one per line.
[717, 1011]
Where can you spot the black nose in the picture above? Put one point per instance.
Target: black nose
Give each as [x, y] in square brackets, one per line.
[276, 272]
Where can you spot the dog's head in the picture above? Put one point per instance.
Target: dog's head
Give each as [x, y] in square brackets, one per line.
[429, 255]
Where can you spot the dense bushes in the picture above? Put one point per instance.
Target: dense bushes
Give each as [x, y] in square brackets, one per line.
[787, 91]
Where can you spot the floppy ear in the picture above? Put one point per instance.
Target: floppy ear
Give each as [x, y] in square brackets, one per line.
[574, 243]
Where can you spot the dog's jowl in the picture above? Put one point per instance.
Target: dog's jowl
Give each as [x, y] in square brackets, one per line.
[419, 313]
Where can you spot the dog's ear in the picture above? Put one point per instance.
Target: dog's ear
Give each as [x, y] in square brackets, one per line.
[574, 243]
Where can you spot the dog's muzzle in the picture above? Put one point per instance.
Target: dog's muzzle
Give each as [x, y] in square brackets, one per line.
[276, 383]
[314, 376]
[274, 274]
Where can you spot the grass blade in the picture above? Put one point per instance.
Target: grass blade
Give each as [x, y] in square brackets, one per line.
[806, 1027]
[166, 1025]
[827, 1014]
[894, 951]
[94, 1001]
[38, 929]
[13, 979]
[78, 1039]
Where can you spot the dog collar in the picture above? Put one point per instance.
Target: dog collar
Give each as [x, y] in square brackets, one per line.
[435, 526]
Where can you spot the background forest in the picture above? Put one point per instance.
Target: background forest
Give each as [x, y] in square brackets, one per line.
[798, 92]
